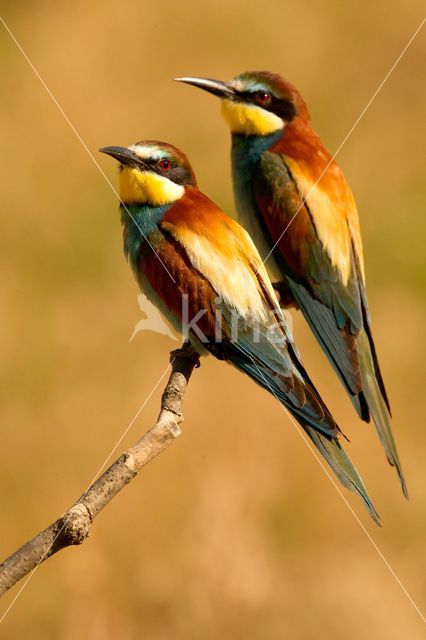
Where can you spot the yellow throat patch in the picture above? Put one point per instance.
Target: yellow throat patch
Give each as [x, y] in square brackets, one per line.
[249, 119]
[147, 186]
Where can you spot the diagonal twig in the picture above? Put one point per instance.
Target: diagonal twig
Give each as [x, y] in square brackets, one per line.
[73, 527]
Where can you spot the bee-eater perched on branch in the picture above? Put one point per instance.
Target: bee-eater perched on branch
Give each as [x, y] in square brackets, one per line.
[296, 204]
[201, 269]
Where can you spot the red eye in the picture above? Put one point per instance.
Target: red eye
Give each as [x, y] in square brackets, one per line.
[263, 98]
[165, 165]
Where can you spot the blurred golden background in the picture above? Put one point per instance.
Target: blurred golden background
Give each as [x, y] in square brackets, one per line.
[235, 532]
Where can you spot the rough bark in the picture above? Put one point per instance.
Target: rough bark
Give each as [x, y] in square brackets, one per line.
[74, 526]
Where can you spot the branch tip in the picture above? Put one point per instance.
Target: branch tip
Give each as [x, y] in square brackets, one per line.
[75, 525]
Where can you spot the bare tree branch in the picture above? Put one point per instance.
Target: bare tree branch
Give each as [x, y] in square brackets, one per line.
[74, 525]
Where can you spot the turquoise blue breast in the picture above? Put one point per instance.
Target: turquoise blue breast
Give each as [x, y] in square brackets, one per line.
[246, 152]
[140, 225]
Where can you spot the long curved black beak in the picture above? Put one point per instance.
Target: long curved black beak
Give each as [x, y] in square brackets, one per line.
[216, 87]
[124, 155]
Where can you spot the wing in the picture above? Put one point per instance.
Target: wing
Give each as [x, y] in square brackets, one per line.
[255, 330]
[213, 261]
[317, 255]
[314, 225]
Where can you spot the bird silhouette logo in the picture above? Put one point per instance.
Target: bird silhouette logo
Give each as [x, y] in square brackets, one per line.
[153, 320]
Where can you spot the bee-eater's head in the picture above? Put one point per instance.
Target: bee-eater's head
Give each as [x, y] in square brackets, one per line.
[255, 103]
[152, 172]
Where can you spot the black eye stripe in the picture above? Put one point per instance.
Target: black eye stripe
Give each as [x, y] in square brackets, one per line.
[152, 162]
[250, 96]
[282, 107]
[178, 173]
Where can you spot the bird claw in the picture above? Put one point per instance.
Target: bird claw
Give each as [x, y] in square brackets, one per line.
[186, 351]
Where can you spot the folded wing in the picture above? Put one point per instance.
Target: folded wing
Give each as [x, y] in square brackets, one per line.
[214, 262]
[320, 256]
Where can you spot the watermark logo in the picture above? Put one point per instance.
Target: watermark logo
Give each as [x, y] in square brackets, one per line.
[153, 320]
[273, 327]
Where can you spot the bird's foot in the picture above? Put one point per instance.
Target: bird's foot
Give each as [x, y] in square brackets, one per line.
[186, 351]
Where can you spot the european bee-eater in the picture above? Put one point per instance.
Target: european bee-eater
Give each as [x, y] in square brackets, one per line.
[296, 204]
[192, 260]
